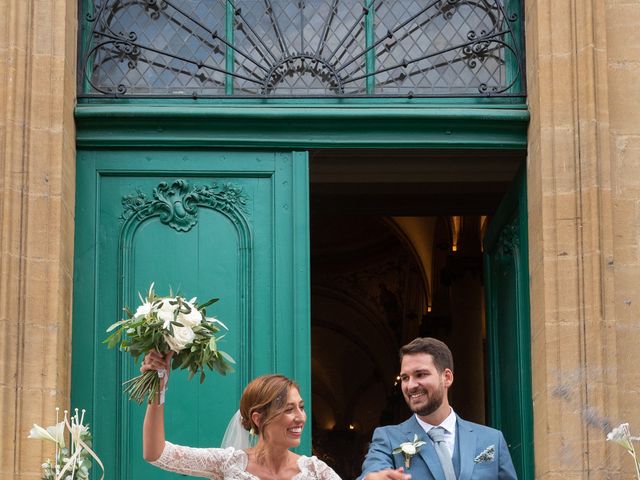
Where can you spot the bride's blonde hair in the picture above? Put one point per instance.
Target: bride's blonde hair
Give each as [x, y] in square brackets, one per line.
[266, 395]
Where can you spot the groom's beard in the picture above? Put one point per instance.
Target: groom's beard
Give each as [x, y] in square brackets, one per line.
[434, 401]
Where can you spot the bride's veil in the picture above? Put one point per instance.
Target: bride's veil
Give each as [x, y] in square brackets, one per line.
[236, 436]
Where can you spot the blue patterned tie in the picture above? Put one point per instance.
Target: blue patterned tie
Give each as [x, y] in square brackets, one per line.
[437, 435]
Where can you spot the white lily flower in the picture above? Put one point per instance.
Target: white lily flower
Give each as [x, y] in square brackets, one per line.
[620, 435]
[54, 434]
[57, 431]
[79, 430]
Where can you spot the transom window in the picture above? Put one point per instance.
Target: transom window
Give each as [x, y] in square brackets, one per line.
[302, 48]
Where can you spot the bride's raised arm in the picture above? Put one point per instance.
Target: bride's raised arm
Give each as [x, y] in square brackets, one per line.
[153, 440]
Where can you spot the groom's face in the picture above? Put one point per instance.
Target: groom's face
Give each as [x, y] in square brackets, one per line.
[423, 387]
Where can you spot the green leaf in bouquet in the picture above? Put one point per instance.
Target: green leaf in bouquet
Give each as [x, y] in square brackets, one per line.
[186, 360]
[218, 367]
[136, 354]
[208, 303]
[129, 313]
[176, 323]
[113, 339]
[202, 375]
[227, 357]
[116, 325]
[212, 344]
[207, 326]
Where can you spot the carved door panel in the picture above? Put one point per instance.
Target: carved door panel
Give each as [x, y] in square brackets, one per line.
[232, 225]
[506, 269]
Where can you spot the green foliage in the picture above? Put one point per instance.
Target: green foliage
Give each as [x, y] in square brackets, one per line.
[163, 324]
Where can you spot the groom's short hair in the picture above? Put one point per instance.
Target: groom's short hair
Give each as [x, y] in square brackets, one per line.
[442, 357]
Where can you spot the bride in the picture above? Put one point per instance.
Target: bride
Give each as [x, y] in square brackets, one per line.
[270, 407]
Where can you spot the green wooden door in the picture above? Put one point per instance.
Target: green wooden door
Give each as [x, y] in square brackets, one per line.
[506, 270]
[205, 223]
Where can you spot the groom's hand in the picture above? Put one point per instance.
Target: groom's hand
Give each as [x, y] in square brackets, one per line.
[389, 474]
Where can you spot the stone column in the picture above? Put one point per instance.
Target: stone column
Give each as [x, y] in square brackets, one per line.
[583, 246]
[37, 189]
[623, 296]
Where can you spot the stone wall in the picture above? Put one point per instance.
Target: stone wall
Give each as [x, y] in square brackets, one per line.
[37, 190]
[583, 60]
[623, 77]
[582, 57]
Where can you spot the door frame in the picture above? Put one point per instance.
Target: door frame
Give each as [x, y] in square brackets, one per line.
[183, 126]
[506, 242]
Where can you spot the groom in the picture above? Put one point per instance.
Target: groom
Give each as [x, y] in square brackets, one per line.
[447, 447]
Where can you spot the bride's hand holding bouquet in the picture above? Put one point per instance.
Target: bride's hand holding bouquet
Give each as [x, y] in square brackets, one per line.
[178, 331]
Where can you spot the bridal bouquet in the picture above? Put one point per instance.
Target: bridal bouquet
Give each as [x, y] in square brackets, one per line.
[71, 462]
[170, 324]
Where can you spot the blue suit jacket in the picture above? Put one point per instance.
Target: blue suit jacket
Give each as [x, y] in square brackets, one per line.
[473, 439]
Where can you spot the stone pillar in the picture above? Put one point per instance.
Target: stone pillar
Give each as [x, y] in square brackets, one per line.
[623, 294]
[583, 230]
[37, 189]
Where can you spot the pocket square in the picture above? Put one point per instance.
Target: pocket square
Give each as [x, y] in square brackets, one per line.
[486, 455]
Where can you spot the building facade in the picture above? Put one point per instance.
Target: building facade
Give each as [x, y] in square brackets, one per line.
[580, 157]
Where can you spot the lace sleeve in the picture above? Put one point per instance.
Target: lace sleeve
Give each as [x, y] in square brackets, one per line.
[199, 462]
[316, 468]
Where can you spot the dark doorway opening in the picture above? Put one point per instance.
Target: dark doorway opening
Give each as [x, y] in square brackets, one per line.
[396, 252]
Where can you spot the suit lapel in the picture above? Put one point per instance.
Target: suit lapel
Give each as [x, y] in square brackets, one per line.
[468, 440]
[427, 451]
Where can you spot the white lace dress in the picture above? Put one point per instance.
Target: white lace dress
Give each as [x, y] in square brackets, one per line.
[230, 464]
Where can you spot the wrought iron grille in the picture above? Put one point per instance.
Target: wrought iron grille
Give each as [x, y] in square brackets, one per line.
[303, 48]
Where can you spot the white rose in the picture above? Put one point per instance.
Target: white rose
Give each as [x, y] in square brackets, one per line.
[182, 336]
[167, 305]
[165, 309]
[408, 449]
[166, 318]
[143, 310]
[191, 319]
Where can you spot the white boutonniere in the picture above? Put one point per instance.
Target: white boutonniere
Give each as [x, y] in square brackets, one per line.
[409, 449]
[486, 455]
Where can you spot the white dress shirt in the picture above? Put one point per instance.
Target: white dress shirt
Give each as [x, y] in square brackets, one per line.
[449, 426]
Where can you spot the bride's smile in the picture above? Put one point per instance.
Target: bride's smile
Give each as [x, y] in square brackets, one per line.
[287, 428]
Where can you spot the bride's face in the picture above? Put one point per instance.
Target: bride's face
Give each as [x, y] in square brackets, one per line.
[286, 429]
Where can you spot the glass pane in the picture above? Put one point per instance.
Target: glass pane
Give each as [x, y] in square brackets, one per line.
[146, 47]
[441, 48]
[312, 48]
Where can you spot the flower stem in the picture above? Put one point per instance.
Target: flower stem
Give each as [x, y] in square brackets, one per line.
[143, 386]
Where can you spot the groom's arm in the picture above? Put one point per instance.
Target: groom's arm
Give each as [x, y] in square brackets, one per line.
[506, 470]
[379, 460]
